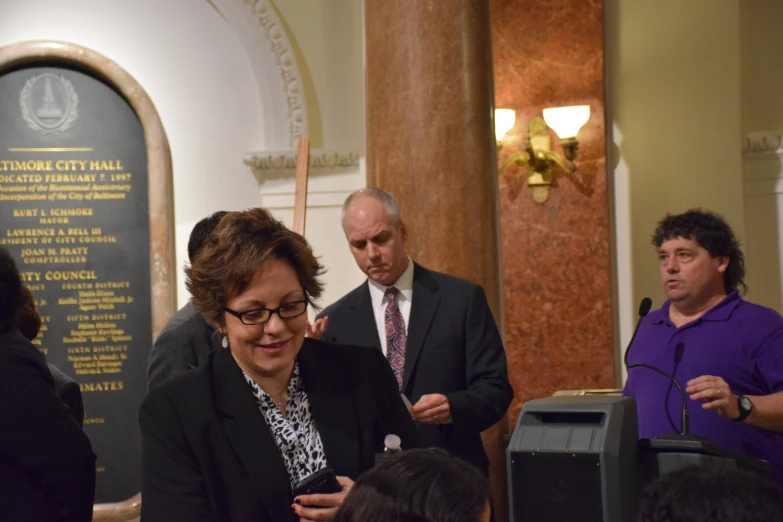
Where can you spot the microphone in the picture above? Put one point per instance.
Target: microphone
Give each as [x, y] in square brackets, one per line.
[644, 309]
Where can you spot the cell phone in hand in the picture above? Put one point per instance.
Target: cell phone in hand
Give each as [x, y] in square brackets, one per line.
[322, 481]
[406, 401]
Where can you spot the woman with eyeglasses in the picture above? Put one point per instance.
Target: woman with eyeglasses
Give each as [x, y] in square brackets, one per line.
[230, 440]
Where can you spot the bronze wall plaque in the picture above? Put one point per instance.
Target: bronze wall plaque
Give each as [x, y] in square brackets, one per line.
[83, 162]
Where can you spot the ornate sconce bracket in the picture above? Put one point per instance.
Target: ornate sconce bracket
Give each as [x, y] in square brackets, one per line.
[538, 158]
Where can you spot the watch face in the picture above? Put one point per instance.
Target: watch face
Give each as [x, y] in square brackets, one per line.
[745, 403]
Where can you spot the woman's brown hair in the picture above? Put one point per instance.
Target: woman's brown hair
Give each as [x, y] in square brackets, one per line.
[233, 253]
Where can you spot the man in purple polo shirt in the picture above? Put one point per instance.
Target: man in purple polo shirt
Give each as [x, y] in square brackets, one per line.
[725, 352]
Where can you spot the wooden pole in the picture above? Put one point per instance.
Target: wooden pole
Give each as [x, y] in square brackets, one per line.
[300, 194]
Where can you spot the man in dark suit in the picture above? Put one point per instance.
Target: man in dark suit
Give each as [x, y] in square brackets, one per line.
[187, 339]
[437, 331]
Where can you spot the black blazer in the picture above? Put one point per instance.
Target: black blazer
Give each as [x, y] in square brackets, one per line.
[68, 391]
[183, 344]
[454, 348]
[208, 455]
[47, 466]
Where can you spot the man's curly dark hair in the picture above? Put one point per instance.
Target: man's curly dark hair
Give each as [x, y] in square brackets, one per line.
[710, 231]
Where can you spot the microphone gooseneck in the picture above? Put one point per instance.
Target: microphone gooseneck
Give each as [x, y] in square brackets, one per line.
[644, 309]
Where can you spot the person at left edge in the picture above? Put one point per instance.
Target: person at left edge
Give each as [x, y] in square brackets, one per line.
[226, 442]
[47, 466]
[28, 322]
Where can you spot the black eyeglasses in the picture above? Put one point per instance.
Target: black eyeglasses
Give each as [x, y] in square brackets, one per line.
[263, 315]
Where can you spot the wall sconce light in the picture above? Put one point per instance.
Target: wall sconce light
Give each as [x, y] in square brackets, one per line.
[538, 155]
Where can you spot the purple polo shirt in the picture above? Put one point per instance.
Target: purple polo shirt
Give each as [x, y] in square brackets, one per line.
[737, 340]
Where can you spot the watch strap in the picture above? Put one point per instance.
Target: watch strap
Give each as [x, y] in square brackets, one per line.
[744, 412]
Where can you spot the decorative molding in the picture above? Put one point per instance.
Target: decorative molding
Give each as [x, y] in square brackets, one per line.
[70, 99]
[289, 68]
[762, 187]
[762, 163]
[211, 3]
[763, 142]
[276, 160]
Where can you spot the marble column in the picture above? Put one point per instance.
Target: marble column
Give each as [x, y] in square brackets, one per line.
[557, 276]
[430, 142]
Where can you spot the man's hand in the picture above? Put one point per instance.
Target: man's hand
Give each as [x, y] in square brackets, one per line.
[433, 408]
[716, 394]
[316, 329]
[321, 506]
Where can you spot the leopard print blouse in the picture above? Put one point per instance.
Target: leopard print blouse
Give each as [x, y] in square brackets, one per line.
[296, 435]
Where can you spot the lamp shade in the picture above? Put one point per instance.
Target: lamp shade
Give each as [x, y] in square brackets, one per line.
[504, 120]
[566, 121]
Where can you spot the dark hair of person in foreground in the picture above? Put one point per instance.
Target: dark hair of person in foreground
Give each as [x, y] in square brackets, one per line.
[418, 485]
[698, 494]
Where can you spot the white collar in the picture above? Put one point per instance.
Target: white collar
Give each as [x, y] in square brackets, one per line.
[404, 284]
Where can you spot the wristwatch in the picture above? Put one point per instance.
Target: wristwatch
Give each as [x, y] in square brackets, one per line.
[745, 407]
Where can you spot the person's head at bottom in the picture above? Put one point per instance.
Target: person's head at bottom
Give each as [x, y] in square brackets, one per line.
[419, 485]
[699, 494]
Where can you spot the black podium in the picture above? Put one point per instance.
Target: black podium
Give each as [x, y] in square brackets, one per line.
[667, 453]
[580, 458]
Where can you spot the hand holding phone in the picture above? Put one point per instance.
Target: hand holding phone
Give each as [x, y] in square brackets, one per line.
[322, 481]
[321, 506]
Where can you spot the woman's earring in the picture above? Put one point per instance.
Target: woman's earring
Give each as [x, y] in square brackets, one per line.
[224, 342]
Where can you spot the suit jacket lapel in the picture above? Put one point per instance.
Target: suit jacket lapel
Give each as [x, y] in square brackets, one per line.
[425, 303]
[333, 409]
[250, 437]
[366, 333]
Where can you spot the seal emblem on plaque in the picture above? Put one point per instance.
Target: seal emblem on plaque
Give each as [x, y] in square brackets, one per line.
[49, 103]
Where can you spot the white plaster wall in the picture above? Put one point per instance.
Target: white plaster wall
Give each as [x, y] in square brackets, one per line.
[763, 190]
[328, 34]
[761, 42]
[324, 202]
[327, 37]
[204, 82]
[673, 103]
[762, 112]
